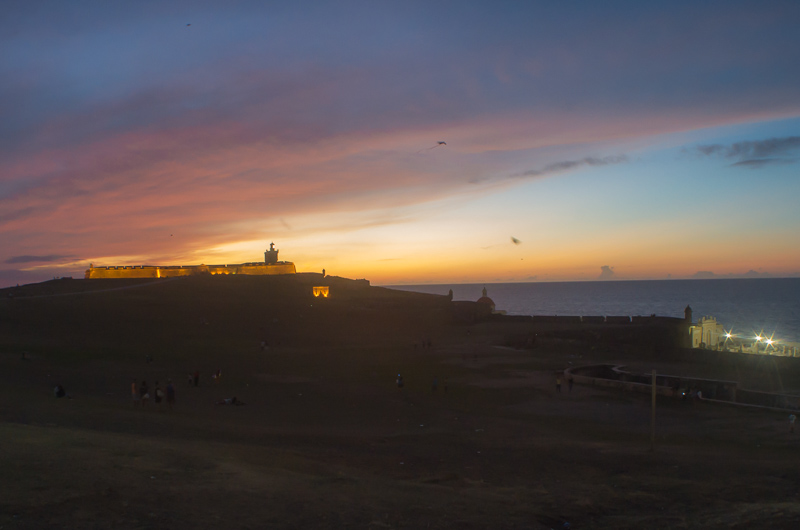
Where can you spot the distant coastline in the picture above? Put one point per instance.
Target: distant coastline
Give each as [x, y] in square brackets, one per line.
[771, 305]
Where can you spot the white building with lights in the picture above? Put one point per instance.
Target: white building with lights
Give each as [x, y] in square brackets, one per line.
[707, 333]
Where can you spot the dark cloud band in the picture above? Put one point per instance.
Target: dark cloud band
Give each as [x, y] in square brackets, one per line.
[566, 165]
[36, 259]
[757, 151]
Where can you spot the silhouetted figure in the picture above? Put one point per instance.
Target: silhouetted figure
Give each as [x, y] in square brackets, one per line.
[230, 401]
[323, 273]
[135, 394]
[170, 394]
[558, 383]
[399, 381]
[144, 393]
[158, 395]
[196, 378]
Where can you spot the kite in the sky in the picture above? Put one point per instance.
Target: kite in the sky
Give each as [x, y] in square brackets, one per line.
[515, 240]
[438, 144]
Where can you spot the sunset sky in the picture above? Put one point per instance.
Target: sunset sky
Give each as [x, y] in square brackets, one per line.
[619, 140]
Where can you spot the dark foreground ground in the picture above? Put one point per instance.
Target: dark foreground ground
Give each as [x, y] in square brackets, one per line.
[327, 440]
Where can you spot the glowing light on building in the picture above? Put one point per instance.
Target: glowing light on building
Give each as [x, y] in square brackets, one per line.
[321, 291]
[710, 334]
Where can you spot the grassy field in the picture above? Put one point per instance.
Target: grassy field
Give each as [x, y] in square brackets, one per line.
[327, 440]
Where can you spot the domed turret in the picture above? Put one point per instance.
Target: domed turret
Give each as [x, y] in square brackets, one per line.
[484, 299]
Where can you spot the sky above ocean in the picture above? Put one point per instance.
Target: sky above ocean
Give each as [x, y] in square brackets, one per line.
[582, 140]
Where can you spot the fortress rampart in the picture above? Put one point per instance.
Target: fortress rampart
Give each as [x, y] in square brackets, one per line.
[270, 266]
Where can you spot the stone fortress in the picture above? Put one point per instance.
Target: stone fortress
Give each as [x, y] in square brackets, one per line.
[270, 266]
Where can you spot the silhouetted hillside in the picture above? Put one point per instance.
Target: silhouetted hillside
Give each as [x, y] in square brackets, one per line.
[134, 315]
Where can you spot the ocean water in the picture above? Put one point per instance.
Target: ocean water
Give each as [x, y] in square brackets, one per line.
[769, 305]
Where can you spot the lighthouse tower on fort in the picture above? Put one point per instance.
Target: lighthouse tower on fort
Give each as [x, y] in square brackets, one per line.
[271, 255]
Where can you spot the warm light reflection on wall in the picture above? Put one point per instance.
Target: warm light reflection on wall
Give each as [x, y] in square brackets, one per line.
[152, 271]
[321, 291]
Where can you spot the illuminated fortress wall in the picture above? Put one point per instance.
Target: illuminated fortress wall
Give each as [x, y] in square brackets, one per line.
[270, 266]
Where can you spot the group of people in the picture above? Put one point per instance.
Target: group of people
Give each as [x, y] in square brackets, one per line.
[559, 378]
[194, 378]
[434, 384]
[141, 394]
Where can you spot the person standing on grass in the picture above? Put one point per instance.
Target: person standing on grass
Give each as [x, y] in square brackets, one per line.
[158, 395]
[135, 394]
[170, 394]
[144, 393]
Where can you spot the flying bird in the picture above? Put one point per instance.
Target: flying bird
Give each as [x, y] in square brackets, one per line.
[515, 240]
